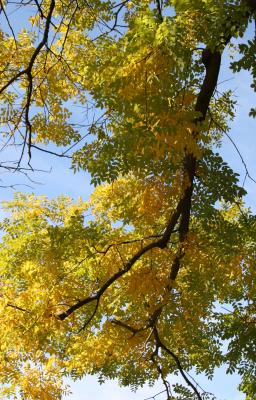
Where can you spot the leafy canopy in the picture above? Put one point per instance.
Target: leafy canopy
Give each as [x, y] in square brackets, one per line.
[155, 272]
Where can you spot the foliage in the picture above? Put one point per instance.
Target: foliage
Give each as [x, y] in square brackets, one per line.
[154, 274]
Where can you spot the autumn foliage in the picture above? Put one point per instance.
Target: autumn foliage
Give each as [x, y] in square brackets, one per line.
[156, 271]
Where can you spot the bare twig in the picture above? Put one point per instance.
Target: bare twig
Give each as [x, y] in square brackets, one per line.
[28, 72]
[8, 22]
[62, 155]
[161, 345]
[223, 130]
[156, 395]
[17, 307]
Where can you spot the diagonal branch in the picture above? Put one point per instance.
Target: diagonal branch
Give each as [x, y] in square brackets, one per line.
[62, 155]
[28, 72]
[183, 208]
[8, 22]
[211, 60]
[161, 345]
[223, 130]
[161, 375]
[36, 52]
[160, 243]
[156, 395]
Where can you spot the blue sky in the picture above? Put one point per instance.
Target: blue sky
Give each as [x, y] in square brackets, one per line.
[223, 386]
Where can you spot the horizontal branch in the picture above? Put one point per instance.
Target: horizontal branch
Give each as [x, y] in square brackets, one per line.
[17, 307]
[62, 155]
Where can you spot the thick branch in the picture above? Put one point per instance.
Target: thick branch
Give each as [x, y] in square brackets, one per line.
[211, 59]
[161, 243]
[184, 205]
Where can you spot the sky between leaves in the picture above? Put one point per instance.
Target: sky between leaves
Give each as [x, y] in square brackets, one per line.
[60, 179]
[243, 135]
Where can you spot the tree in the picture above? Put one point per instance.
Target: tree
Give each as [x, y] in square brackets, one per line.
[132, 283]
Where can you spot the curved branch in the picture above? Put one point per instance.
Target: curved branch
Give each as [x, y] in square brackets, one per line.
[161, 243]
[183, 208]
[43, 42]
[223, 130]
[211, 60]
[61, 155]
[91, 316]
[28, 72]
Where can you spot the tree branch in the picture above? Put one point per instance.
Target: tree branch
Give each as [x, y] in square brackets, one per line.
[160, 243]
[161, 345]
[28, 72]
[211, 60]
